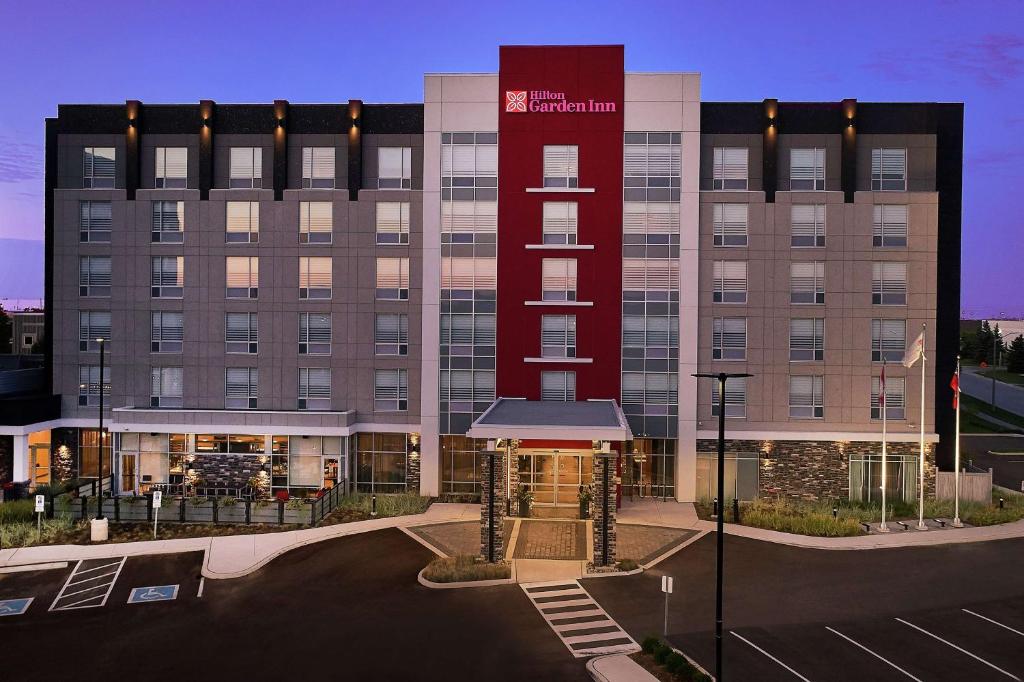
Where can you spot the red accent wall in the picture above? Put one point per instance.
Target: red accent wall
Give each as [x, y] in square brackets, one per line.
[582, 73]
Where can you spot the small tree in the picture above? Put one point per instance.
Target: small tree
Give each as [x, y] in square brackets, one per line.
[1015, 356]
[5, 331]
[983, 343]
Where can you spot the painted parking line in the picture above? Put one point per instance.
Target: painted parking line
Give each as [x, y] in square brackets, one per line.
[88, 586]
[878, 656]
[142, 595]
[583, 626]
[756, 647]
[960, 649]
[994, 622]
[15, 607]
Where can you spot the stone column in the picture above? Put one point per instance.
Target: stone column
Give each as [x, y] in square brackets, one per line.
[603, 505]
[512, 462]
[491, 530]
[412, 473]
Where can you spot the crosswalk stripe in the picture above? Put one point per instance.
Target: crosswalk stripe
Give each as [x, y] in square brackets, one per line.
[579, 621]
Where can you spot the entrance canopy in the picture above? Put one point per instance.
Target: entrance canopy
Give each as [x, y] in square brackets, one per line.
[543, 419]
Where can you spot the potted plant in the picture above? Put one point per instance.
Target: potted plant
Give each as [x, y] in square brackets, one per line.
[525, 498]
[585, 497]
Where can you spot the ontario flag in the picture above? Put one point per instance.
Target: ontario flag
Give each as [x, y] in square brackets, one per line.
[955, 385]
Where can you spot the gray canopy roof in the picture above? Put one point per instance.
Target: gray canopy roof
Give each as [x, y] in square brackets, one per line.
[580, 420]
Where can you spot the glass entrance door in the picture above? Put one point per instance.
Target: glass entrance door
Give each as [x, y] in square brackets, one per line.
[554, 477]
[129, 475]
[39, 461]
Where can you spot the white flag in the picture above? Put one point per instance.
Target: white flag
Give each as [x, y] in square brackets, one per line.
[915, 351]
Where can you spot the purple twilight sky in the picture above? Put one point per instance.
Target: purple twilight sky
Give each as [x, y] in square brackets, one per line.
[316, 51]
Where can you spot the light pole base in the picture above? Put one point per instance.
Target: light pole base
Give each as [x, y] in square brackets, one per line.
[882, 528]
[98, 530]
[921, 525]
[957, 523]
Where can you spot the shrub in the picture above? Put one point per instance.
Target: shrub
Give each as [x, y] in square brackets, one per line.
[18, 511]
[295, 504]
[398, 504]
[649, 644]
[661, 653]
[675, 662]
[24, 533]
[463, 568]
[197, 501]
[628, 565]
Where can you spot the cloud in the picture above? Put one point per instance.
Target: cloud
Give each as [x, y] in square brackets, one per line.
[20, 161]
[991, 159]
[991, 61]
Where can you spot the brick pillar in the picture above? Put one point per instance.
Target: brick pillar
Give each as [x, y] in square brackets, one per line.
[487, 535]
[412, 473]
[604, 499]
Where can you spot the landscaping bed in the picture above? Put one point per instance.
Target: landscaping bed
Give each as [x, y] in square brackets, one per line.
[465, 568]
[660, 660]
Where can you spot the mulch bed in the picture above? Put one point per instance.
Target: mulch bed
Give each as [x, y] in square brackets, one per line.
[649, 664]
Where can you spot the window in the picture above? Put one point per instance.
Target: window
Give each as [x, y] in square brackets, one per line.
[730, 168]
[558, 336]
[242, 276]
[735, 397]
[889, 170]
[314, 388]
[807, 169]
[318, 167]
[167, 387]
[561, 166]
[806, 397]
[461, 275]
[393, 279]
[730, 224]
[394, 167]
[560, 222]
[390, 390]
[98, 167]
[895, 398]
[730, 281]
[469, 169]
[807, 222]
[168, 279]
[650, 389]
[890, 225]
[807, 282]
[651, 166]
[241, 388]
[167, 332]
[314, 277]
[89, 385]
[392, 222]
[651, 278]
[729, 338]
[314, 333]
[806, 339]
[559, 386]
[94, 221]
[889, 283]
[241, 333]
[168, 222]
[461, 332]
[94, 276]
[246, 168]
[558, 279]
[888, 340]
[92, 325]
[242, 222]
[653, 218]
[316, 222]
[654, 332]
[391, 334]
[171, 167]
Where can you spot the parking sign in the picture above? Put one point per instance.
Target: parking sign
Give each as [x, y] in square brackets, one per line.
[40, 503]
[157, 496]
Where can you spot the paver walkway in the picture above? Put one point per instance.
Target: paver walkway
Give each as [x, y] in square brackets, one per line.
[459, 537]
[643, 544]
[564, 540]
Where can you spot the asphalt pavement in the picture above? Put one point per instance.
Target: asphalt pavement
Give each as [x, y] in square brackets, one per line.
[1008, 396]
[1008, 468]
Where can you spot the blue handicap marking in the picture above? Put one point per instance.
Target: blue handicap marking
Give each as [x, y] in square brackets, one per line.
[14, 607]
[141, 595]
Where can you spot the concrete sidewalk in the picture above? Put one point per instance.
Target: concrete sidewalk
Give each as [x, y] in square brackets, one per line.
[654, 512]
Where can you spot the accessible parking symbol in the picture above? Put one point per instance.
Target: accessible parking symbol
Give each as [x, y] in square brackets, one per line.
[142, 595]
[14, 607]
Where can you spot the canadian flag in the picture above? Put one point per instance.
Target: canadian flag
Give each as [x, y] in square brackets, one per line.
[881, 388]
[955, 385]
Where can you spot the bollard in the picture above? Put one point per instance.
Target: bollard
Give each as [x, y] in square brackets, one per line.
[714, 508]
[835, 513]
[1001, 501]
[735, 510]
[373, 506]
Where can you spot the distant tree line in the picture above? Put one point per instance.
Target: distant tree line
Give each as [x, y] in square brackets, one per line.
[979, 345]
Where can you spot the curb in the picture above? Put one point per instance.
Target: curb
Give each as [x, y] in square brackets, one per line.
[466, 583]
[637, 674]
[612, 574]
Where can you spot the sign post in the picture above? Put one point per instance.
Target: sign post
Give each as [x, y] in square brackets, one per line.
[157, 497]
[40, 508]
[666, 587]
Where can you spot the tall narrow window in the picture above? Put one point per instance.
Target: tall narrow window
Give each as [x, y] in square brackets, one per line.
[730, 281]
[167, 387]
[314, 333]
[241, 332]
[735, 398]
[806, 339]
[392, 279]
[558, 336]
[560, 222]
[394, 167]
[94, 276]
[391, 390]
[98, 167]
[318, 167]
[89, 385]
[888, 340]
[807, 282]
[558, 386]
[730, 224]
[391, 334]
[314, 388]
[246, 170]
[807, 169]
[558, 279]
[93, 325]
[168, 222]
[890, 225]
[167, 332]
[316, 222]
[392, 222]
[729, 338]
[241, 388]
[561, 166]
[171, 168]
[807, 223]
[242, 276]
[806, 397]
[168, 280]
[243, 222]
[315, 278]
[94, 221]
[889, 170]
[895, 398]
[889, 283]
[729, 168]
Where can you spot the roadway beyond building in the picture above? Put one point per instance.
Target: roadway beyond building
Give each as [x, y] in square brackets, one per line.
[1008, 396]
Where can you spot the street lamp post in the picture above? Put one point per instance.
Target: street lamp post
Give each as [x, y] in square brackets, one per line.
[996, 336]
[99, 458]
[721, 377]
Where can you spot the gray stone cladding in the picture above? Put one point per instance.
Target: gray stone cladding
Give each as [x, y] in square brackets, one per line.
[226, 471]
[498, 462]
[601, 492]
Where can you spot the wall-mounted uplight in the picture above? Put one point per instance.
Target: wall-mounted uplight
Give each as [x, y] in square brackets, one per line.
[131, 123]
[280, 123]
[206, 123]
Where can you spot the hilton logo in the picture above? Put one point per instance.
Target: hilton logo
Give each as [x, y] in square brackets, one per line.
[515, 101]
[547, 101]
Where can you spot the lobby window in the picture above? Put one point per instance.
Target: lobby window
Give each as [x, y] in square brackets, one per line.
[560, 222]
[729, 338]
[89, 385]
[314, 333]
[246, 170]
[381, 461]
[98, 167]
[314, 388]
[167, 332]
[391, 390]
[168, 278]
[807, 282]
[558, 386]
[558, 336]
[166, 387]
[392, 222]
[168, 222]
[392, 279]
[806, 397]
[561, 166]
[888, 340]
[94, 276]
[315, 278]
[729, 170]
[94, 221]
[241, 388]
[807, 169]
[735, 398]
[889, 227]
[806, 339]
[318, 167]
[394, 167]
[889, 170]
[242, 276]
[316, 222]
[92, 325]
[730, 224]
[171, 168]
[889, 283]
[807, 223]
[558, 279]
[895, 398]
[242, 222]
[241, 333]
[391, 334]
[730, 281]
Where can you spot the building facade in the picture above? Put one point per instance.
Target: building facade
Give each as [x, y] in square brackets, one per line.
[296, 296]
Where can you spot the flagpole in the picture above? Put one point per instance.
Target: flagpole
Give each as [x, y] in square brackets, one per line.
[882, 528]
[920, 520]
[956, 458]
